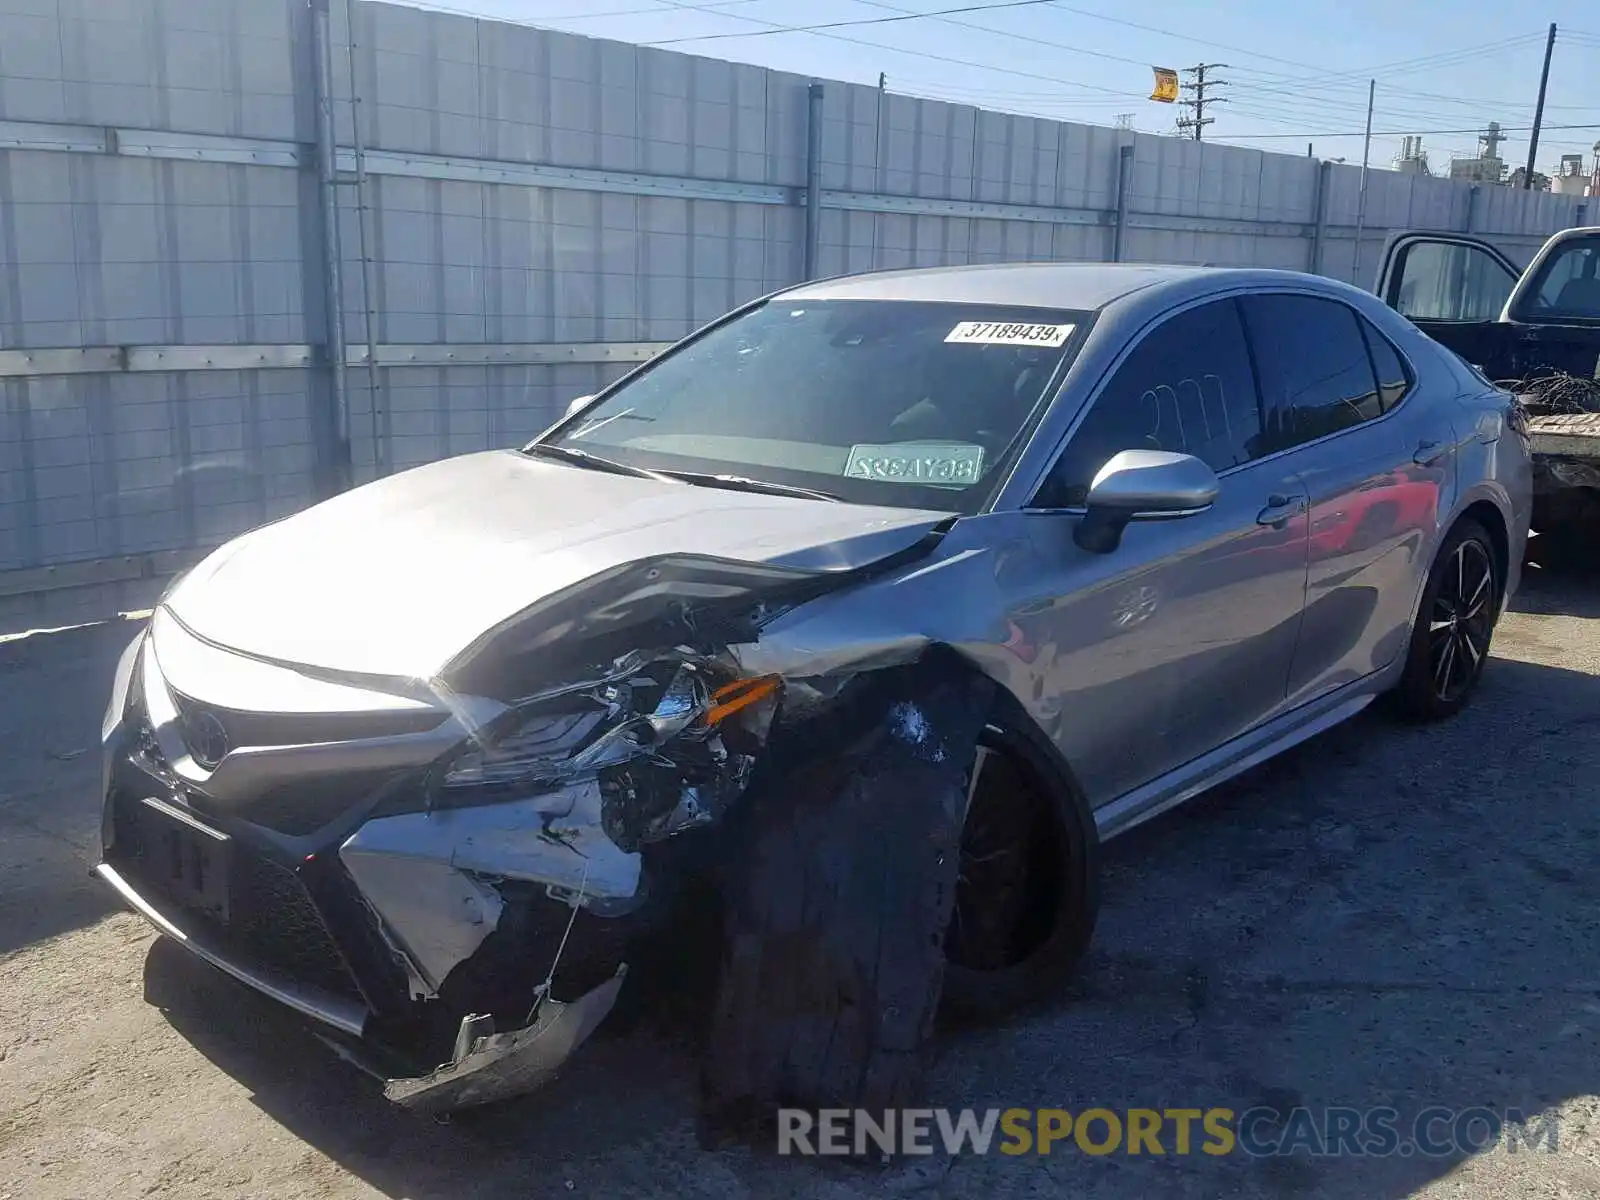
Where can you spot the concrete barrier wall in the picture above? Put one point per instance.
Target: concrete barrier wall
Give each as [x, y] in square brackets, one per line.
[540, 211]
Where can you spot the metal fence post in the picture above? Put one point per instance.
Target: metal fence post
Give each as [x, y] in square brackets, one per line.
[333, 274]
[1124, 189]
[1472, 207]
[813, 179]
[368, 286]
[1319, 216]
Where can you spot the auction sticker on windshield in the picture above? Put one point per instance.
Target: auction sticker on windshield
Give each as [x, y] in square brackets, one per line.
[948, 464]
[1001, 333]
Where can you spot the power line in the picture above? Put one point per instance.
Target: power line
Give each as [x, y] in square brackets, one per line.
[943, 17]
[662, 7]
[904, 16]
[1487, 48]
[943, 58]
[1328, 133]
[1304, 95]
[1467, 52]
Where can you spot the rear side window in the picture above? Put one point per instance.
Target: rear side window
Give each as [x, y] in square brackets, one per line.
[1569, 283]
[1316, 374]
[1394, 381]
[1186, 386]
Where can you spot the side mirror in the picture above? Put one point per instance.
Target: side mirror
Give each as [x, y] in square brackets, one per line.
[1143, 485]
[575, 405]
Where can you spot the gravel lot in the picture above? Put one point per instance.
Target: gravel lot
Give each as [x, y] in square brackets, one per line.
[1385, 916]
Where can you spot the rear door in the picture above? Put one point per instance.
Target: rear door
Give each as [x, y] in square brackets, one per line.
[1454, 288]
[1373, 456]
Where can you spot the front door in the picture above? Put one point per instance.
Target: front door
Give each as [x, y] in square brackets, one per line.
[1454, 288]
[1182, 638]
[1374, 467]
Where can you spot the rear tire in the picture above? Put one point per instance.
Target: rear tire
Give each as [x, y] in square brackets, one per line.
[1455, 624]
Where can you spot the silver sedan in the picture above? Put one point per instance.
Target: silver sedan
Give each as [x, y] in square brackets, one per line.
[860, 618]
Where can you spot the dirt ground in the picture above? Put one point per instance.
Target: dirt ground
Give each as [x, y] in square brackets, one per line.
[1384, 916]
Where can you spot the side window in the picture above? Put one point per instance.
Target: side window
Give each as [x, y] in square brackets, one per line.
[1570, 287]
[1449, 281]
[1187, 386]
[1316, 376]
[1394, 381]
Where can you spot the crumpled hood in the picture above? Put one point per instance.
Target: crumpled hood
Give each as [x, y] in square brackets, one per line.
[397, 577]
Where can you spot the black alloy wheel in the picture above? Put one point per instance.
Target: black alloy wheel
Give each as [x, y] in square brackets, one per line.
[1455, 622]
[1461, 621]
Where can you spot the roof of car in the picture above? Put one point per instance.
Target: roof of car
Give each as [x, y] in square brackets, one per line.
[1075, 285]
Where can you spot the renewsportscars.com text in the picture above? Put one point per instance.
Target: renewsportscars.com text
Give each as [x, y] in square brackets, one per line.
[1433, 1132]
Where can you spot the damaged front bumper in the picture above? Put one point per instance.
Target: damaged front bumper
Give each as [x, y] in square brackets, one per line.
[457, 928]
[484, 1066]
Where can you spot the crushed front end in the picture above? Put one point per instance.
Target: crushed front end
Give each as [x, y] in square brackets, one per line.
[447, 876]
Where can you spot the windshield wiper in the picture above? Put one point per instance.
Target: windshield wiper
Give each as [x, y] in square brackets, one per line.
[582, 458]
[741, 483]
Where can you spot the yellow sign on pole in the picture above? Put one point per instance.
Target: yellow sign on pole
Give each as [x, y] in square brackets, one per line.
[1166, 85]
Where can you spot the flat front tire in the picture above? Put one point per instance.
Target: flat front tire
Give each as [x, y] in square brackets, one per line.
[1027, 894]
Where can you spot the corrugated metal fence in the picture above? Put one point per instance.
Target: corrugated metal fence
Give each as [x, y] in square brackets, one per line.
[523, 214]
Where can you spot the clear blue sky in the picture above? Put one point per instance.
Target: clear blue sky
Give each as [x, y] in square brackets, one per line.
[1295, 76]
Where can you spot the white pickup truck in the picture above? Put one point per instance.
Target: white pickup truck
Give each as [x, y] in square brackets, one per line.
[1535, 332]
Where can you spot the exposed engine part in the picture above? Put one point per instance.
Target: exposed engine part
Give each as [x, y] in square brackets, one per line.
[563, 793]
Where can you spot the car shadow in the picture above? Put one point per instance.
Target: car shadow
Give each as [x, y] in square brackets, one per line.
[621, 1088]
[1561, 575]
[1387, 915]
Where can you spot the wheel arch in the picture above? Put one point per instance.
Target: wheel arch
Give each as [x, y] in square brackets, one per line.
[1015, 731]
[1487, 514]
[1487, 510]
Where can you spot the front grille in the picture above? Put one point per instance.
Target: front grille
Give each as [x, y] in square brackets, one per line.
[272, 922]
[249, 729]
[303, 806]
[275, 919]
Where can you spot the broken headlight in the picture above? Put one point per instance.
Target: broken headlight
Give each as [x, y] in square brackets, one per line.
[669, 744]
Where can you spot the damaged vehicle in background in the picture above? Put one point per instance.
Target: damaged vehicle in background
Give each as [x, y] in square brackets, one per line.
[1535, 332]
[862, 617]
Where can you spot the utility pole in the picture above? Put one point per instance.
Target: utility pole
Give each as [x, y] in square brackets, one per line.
[1538, 108]
[1366, 153]
[1198, 86]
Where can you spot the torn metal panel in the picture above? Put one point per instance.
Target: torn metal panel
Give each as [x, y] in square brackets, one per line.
[437, 914]
[490, 1066]
[557, 839]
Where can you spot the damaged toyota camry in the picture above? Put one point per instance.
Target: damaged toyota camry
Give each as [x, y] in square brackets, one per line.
[863, 615]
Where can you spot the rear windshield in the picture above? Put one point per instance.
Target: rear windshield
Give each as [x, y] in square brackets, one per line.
[900, 403]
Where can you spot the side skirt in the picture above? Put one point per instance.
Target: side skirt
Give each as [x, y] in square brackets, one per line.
[1237, 756]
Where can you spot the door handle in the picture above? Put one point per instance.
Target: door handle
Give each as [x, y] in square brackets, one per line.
[1279, 509]
[1428, 452]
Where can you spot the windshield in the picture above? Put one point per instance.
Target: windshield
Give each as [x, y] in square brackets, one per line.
[1569, 282]
[899, 403]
